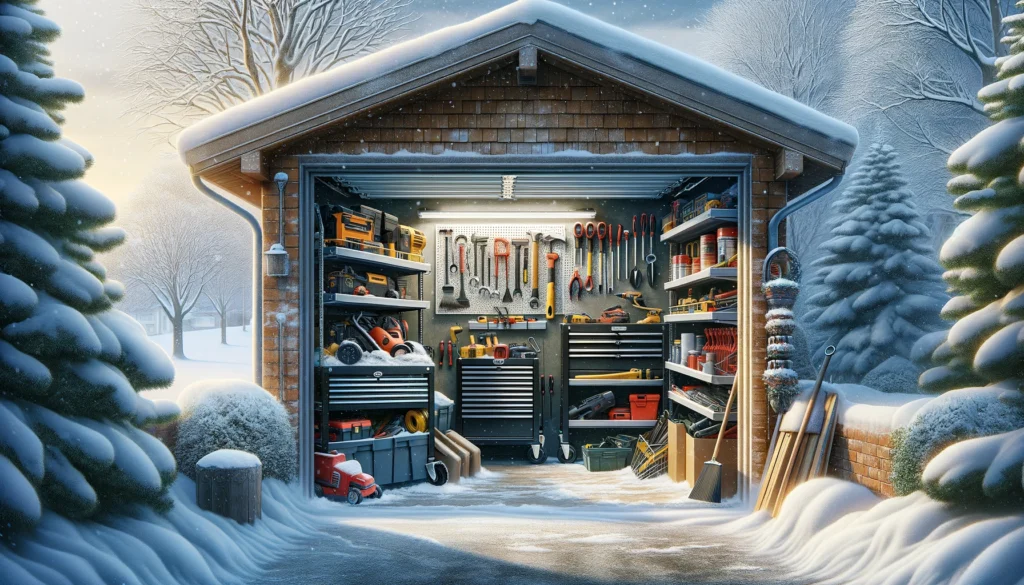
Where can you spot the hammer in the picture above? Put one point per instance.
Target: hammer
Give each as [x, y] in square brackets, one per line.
[552, 256]
[535, 238]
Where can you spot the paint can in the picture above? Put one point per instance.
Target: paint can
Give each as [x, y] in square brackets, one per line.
[698, 343]
[687, 342]
[708, 251]
[709, 363]
[693, 360]
[685, 266]
[727, 237]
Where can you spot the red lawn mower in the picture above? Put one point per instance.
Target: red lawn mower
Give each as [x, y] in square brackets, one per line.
[336, 477]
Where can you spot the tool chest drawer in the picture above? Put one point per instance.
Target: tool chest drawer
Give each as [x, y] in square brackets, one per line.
[498, 400]
[590, 341]
[359, 388]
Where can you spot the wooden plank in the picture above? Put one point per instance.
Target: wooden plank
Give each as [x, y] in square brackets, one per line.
[769, 486]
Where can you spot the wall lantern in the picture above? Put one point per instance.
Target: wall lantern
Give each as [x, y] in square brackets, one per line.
[276, 255]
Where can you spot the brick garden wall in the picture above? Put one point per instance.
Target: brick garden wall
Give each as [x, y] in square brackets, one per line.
[862, 457]
[492, 114]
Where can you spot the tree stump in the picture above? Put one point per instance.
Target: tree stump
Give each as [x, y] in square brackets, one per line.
[230, 483]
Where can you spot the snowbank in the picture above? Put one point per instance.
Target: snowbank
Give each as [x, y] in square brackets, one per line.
[186, 545]
[528, 12]
[835, 532]
[869, 410]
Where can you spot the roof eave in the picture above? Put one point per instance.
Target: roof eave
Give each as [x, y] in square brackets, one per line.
[553, 43]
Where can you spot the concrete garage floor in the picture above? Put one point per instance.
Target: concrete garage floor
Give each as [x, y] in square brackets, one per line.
[522, 524]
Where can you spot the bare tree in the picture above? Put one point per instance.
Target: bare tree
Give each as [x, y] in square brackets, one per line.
[929, 93]
[174, 255]
[792, 48]
[232, 283]
[193, 59]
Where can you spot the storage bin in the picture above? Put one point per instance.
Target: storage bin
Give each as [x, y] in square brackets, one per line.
[698, 451]
[676, 451]
[605, 458]
[644, 406]
[410, 458]
[377, 456]
[349, 430]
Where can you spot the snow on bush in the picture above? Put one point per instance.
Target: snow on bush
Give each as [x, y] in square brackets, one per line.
[896, 374]
[954, 416]
[979, 472]
[234, 414]
[877, 289]
[837, 533]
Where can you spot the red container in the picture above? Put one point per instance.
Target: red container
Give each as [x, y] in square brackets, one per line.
[708, 251]
[644, 406]
[620, 413]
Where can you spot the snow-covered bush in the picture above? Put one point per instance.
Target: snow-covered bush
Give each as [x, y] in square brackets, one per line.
[979, 472]
[70, 365]
[954, 416]
[896, 374]
[877, 289]
[234, 414]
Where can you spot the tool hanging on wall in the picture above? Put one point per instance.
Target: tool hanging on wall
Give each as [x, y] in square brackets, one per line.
[463, 300]
[618, 252]
[602, 238]
[577, 251]
[576, 285]
[485, 289]
[494, 285]
[519, 243]
[534, 268]
[478, 254]
[552, 257]
[636, 278]
[650, 256]
[448, 301]
[588, 283]
[625, 259]
[502, 250]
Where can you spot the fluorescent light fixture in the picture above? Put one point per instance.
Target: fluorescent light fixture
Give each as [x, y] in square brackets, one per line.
[499, 214]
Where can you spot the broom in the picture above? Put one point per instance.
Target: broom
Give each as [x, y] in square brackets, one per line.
[708, 487]
[448, 290]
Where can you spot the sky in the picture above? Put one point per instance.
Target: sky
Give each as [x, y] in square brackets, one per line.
[92, 51]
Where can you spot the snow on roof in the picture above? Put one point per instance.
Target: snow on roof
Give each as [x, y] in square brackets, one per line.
[527, 12]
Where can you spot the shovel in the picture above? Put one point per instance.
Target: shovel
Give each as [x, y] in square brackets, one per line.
[650, 255]
[636, 278]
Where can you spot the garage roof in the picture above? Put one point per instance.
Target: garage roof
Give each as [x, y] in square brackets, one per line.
[556, 31]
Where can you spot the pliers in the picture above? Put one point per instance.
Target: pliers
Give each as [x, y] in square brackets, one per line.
[576, 285]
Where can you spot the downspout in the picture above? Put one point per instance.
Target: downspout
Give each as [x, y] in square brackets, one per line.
[797, 204]
[257, 273]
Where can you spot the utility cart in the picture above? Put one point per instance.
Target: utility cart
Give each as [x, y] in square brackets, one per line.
[609, 356]
[498, 403]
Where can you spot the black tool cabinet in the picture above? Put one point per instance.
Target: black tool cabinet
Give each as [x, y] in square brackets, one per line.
[599, 348]
[498, 401]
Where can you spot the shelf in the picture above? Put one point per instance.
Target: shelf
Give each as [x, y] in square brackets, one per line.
[373, 260]
[700, 225]
[624, 383]
[681, 399]
[709, 275]
[539, 325]
[373, 303]
[611, 424]
[696, 374]
[703, 317]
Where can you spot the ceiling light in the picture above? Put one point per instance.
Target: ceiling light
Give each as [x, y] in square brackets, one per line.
[500, 214]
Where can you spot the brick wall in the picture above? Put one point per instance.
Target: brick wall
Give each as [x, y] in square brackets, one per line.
[492, 114]
[862, 457]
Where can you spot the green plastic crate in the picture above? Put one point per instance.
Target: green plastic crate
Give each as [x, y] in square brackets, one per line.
[605, 458]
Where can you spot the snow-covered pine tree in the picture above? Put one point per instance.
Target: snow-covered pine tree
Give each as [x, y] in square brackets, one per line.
[70, 365]
[876, 290]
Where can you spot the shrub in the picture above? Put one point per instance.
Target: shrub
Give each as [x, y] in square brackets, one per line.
[954, 416]
[894, 375]
[233, 414]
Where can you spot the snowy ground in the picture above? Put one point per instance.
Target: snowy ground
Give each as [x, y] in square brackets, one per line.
[207, 358]
[529, 524]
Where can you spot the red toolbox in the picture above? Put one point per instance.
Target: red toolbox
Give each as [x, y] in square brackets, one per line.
[349, 430]
[644, 406]
[620, 413]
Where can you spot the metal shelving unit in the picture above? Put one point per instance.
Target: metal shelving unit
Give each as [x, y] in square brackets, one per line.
[588, 349]
[699, 375]
[727, 317]
[707, 276]
[715, 415]
[399, 266]
[710, 220]
[370, 303]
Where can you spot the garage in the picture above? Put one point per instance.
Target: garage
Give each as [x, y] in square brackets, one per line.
[431, 192]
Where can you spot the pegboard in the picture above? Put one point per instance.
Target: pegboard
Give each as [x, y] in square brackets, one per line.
[479, 305]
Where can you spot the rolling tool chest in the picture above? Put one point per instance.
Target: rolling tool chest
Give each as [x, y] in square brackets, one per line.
[499, 401]
[613, 379]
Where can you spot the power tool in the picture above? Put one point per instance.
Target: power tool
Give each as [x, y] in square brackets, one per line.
[349, 282]
[637, 298]
[578, 318]
[412, 242]
[593, 406]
